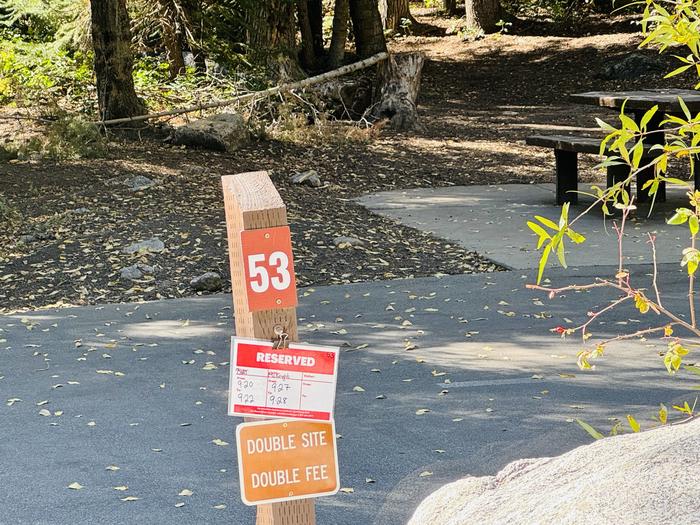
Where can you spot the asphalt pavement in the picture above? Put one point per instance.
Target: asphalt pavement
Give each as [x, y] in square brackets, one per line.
[129, 401]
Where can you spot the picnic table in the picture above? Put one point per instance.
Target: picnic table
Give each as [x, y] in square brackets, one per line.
[637, 103]
[640, 101]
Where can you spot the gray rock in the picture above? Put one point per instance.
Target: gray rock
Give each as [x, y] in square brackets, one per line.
[131, 272]
[38, 233]
[649, 477]
[42, 234]
[27, 239]
[153, 245]
[136, 271]
[347, 242]
[214, 68]
[80, 211]
[207, 282]
[223, 132]
[632, 66]
[189, 59]
[139, 182]
[309, 177]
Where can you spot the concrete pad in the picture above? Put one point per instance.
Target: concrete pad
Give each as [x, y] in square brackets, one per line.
[491, 220]
[126, 385]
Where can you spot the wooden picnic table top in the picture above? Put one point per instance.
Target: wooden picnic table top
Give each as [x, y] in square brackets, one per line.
[667, 99]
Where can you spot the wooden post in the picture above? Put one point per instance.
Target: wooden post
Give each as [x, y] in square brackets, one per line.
[251, 201]
[566, 167]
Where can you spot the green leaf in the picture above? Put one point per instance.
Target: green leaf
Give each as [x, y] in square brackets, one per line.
[564, 215]
[667, 362]
[628, 123]
[575, 236]
[637, 153]
[677, 182]
[678, 71]
[693, 225]
[560, 253]
[604, 125]
[685, 109]
[633, 423]
[537, 229]
[543, 262]
[648, 116]
[591, 431]
[679, 217]
[663, 414]
[547, 222]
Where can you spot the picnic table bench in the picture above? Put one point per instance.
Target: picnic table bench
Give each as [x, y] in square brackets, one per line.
[566, 150]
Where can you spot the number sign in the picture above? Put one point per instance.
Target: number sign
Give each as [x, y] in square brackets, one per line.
[286, 459]
[298, 381]
[269, 268]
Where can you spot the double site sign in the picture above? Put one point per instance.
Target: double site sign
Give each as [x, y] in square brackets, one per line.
[286, 459]
[294, 455]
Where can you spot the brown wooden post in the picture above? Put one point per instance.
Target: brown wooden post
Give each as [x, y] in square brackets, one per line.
[251, 201]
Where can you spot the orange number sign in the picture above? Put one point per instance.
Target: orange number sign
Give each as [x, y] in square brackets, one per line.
[269, 268]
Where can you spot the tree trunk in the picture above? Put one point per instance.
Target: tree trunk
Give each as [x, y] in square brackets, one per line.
[336, 53]
[111, 39]
[482, 14]
[367, 26]
[450, 7]
[308, 57]
[271, 26]
[171, 26]
[316, 22]
[394, 13]
[193, 18]
[399, 84]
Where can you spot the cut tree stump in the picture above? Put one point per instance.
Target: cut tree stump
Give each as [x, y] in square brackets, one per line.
[399, 84]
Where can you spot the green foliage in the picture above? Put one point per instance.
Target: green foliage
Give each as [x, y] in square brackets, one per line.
[553, 241]
[673, 358]
[503, 26]
[216, 28]
[64, 139]
[673, 24]
[633, 423]
[685, 410]
[562, 12]
[35, 74]
[55, 79]
[64, 22]
[591, 431]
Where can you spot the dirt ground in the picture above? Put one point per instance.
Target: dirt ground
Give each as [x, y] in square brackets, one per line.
[479, 100]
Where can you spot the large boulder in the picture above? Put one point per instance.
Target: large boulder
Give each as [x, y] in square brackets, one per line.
[652, 477]
[633, 66]
[222, 132]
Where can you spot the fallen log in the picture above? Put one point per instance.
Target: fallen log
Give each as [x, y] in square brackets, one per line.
[282, 88]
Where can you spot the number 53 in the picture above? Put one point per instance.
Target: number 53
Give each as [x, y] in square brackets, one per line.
[259, 272]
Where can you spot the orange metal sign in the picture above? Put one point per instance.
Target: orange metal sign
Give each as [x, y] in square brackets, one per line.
[286, 459]
[269, 268]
